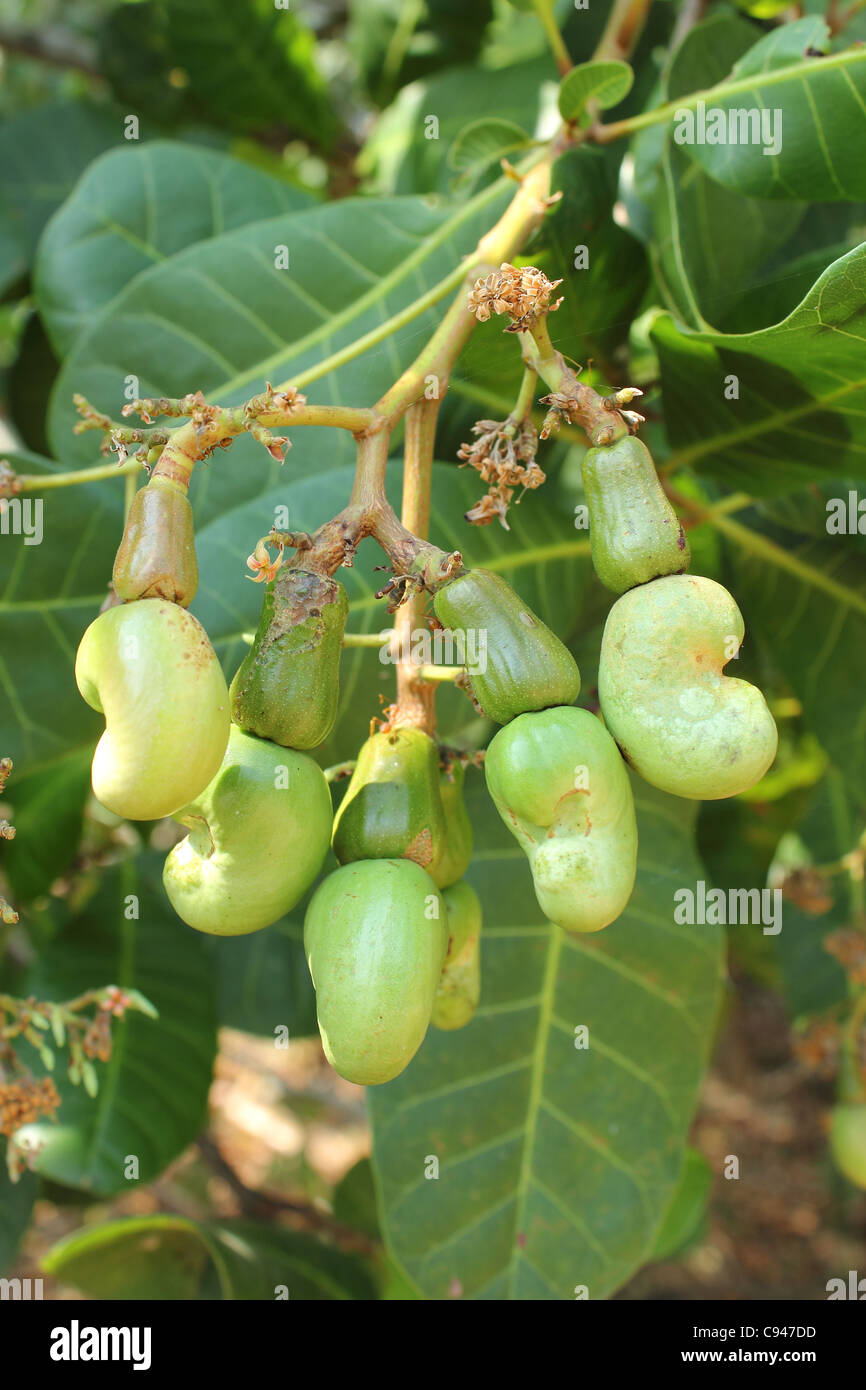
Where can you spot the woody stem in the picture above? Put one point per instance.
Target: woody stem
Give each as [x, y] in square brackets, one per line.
[416, 697]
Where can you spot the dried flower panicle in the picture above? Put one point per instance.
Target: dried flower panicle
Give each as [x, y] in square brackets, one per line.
[504, 455]
[808, 889]
[524, 295]
[23, 1102]
[848, 946]
[817, 1047]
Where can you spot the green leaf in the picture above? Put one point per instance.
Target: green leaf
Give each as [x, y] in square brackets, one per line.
[687, 1211]
[247, 66]
[813, 980]
[355, 1199]
[264, 982]
[47, 811]
[16, 1205]
[49, 592]
[798, 416]
[481, 145]
[788, 126]
[702, 276]
[556, 1163]
[28, 385]
[805, 599]
[137, 207]
[603, 83]
[42, 153]
[169, 1257]
[220, 317]
[153, 1091]
[407, 151]
[394, 42]
[601, 295]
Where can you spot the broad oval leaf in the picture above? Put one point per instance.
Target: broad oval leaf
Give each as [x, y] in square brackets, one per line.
[793, 130]
[556, 1162]
[779, 407]
[170, 1257]
[604, 83]
[134, 208]
[221, 318]
[482, 144]
[42, 153]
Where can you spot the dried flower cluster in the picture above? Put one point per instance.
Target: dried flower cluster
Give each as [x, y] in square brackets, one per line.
[22, 1102]
[504, 455]
[817, 1047]
[524, 295]
[848, 945]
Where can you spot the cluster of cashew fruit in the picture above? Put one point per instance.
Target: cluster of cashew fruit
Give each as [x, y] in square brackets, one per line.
[392, 935]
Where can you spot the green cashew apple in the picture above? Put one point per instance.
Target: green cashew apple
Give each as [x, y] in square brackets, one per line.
[156, 557]
[150, 669]
[459, 987]
[681, 723]
[515, 663]
[848, 1140]
[287, 688]
[393, 808]
[634, 531]
[458, 827]
[560, 785]
[258, 835]
[375, 935]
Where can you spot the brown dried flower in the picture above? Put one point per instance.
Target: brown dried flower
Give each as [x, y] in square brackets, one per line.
[524, 295]
[504, 454]
[22, 1102]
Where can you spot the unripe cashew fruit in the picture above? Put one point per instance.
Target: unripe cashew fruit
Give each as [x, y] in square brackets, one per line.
[459, 987]
[848, 1141]
[258, 835]
[393, 808]
[375, 935]
[561, 787]
[681, 723]
[634, 532]
[458, 827]
[156, 557]
[150, 669]
[526, 665]
[287, 688]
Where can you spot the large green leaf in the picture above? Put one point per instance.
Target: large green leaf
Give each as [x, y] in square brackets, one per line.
[816, 109]
[221, 318]
[136, 207]
[48, 594]
[805, 599]
[700, 274]
[171, 1257]
[600, 296]
[798, 414]
[264, 983]
[153, 1092]
[42, 153]
[47, 810]
[556, 1163]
